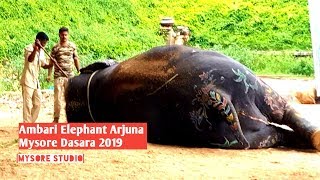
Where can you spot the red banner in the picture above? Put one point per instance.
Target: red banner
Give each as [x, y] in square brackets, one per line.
[83, 136]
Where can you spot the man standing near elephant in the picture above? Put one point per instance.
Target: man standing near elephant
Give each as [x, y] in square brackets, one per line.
[34, 58]
[66, 56]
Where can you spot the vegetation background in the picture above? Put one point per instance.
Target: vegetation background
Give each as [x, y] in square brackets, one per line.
[262, 34]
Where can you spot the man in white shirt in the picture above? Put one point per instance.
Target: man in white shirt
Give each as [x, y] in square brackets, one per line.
[34, 58]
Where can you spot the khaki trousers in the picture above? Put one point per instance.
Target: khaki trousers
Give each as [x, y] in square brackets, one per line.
[31, 104]
[60, 84]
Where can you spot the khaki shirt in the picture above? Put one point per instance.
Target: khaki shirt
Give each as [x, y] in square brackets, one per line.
[170, 37]
[64, 56]
[30, 73]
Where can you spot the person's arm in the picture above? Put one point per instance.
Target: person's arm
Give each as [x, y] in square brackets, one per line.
[76, 60]
[50, 65]
[35, 49]
[47, 65]
[50, 69]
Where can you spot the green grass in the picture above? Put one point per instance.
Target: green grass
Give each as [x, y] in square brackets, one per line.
[121, 29]
[274, 63]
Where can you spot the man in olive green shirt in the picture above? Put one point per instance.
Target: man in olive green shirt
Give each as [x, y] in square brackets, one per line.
[65, 53]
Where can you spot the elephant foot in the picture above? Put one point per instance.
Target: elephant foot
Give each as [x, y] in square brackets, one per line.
[316, 139]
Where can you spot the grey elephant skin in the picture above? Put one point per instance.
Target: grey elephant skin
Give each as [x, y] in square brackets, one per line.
[188, 96]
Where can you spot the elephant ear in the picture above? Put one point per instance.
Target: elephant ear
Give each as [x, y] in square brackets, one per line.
[97, 66]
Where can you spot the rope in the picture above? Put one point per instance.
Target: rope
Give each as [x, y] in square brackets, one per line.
[88, 94]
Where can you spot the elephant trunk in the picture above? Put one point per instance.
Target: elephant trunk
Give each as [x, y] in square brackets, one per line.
[302, 126]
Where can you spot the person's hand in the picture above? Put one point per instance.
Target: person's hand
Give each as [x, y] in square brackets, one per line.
[48, 79]
[37, 44]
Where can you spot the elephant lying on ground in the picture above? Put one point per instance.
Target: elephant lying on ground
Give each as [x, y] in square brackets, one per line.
[191, 97]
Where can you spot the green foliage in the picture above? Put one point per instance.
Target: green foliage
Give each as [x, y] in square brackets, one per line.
[303, 67]
[121, 29]
[269, 62]
[259, 25]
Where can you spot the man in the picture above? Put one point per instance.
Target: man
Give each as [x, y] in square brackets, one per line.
[65, 53]
[166, 27]
[34, 58]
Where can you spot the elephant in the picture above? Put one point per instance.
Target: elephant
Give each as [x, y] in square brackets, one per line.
[189, 96]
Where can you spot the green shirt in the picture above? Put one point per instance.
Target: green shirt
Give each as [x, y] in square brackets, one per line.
[64, 55]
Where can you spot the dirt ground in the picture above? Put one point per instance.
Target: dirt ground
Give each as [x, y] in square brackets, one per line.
[158, 161]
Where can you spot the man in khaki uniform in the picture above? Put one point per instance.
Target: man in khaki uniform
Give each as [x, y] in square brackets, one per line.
[179, 37]
[166, 27]
[182, 36]
[34, 58]
[65, 53]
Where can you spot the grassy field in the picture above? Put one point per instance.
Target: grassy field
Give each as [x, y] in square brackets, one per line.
[121, 29]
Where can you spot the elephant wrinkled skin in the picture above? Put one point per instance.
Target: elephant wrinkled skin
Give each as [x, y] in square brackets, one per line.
[188, 96]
